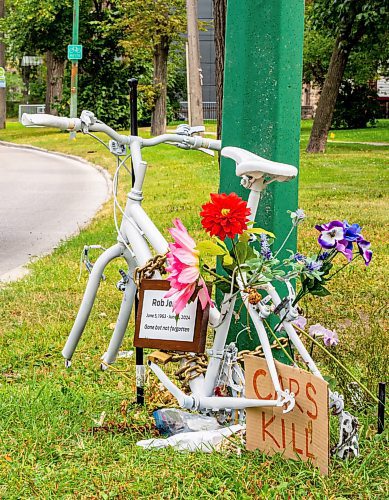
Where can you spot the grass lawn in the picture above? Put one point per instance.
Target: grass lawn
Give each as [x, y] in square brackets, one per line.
[48, 449]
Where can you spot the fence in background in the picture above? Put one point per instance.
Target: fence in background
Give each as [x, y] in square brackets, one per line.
[209, 110]
[31, 109]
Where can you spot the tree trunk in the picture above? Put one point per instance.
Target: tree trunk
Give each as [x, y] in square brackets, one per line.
[54, 82]
[219, 16]
[327, 101]
[3, 91]
[158, 115]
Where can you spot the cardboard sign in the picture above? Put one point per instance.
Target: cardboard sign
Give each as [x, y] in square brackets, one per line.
[156, 324]
[303, 433]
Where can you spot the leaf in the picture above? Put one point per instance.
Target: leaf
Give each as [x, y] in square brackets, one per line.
[244, 237]
[250, 253]
[207, 247]
[222, 286]
[320, 291]
[241, 252]
[259, 230]
[220, 243]
[228, 260]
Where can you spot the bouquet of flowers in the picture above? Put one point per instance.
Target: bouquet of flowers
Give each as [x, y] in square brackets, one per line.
[245, 252]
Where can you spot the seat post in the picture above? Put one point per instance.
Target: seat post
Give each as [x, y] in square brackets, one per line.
[254, 197]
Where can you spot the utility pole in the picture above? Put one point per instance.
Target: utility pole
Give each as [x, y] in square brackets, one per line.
[195, 99]
[261, 106]
[3, 90]
[74, 55]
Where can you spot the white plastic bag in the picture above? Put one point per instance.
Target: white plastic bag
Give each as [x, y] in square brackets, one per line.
[205, 441]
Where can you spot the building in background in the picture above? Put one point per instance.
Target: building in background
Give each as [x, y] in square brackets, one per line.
[383, 95]
[207, 50]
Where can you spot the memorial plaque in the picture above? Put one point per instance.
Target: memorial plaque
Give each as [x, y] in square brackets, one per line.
[158, 327]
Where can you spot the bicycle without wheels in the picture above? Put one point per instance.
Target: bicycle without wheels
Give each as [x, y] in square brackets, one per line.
[138, 237]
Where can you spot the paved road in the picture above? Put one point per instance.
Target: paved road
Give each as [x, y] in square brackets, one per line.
[44, 199]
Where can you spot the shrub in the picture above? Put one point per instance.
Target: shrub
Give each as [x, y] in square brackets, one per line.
[356, 106]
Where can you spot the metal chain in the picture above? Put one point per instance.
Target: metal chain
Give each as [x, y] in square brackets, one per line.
[196, 364]
[156, 263]
[283, 342]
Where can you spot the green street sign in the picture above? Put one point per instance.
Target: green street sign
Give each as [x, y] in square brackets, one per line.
[74, 52]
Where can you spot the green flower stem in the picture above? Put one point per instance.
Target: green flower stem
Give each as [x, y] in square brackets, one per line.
[345, 265]
[341, 365]
[215, 275]
[285, 240]
[279, 343]
[237, 260]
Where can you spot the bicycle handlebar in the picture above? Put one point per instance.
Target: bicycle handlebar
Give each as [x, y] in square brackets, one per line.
[45, 120]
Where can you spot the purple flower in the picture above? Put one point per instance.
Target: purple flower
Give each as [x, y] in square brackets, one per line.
[313, 265]
[353, 234]
[300, 322]
[352, 231]
[332, 235]
[316, 330]
[299, 257]
[364, 250]
[330, 338]
[323, 256]
[265, 248]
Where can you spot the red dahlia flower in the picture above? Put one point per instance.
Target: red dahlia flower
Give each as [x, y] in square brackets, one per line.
[226, 215]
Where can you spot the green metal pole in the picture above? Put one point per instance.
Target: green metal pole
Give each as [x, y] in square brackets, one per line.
[261, 104]
[74, 71]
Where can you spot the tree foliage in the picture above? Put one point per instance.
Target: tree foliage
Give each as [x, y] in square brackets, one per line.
[36, 26]
[150, 27]
[118, 39]
[352, 23]
[356, 106]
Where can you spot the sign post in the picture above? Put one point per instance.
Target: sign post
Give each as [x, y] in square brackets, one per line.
[74, 55]
[262, 101]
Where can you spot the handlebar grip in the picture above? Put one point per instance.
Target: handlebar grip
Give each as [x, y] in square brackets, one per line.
[44, 120]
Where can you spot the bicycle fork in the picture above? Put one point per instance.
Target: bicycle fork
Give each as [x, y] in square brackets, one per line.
[118, 250]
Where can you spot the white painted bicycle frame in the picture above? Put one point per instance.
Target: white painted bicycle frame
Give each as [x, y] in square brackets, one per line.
[137, 234]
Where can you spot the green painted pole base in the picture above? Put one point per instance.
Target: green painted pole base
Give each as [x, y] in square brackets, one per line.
[261, 108]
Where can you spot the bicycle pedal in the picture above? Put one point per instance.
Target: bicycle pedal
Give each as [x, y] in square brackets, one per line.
[159, 357]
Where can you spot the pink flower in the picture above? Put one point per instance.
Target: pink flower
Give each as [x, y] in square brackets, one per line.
[184, 268]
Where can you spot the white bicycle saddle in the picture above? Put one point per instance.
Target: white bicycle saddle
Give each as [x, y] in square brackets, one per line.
[255, 166]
